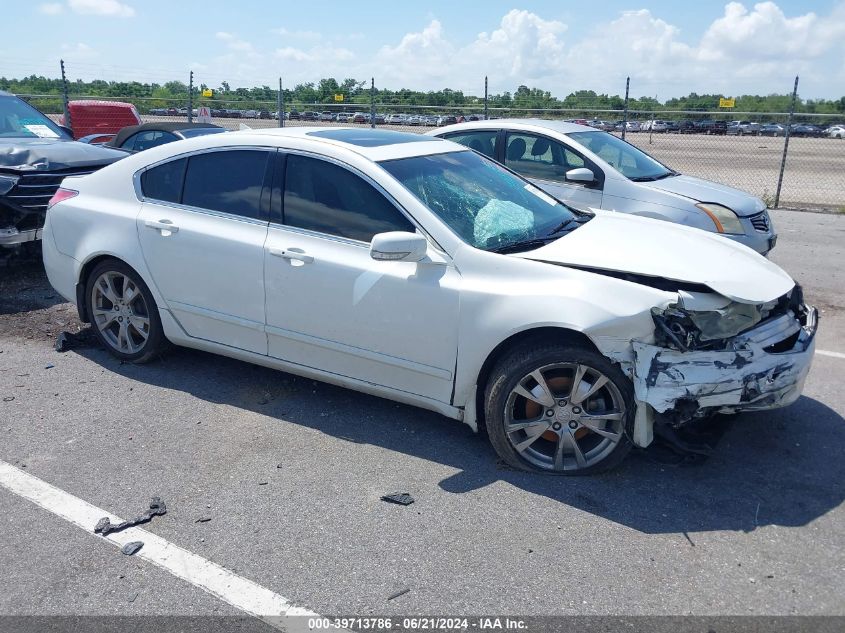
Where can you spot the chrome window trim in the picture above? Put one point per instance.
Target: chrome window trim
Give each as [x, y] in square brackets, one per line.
[208, 212]
[136, 182]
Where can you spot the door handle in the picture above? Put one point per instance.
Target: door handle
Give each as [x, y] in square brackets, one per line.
[296, 254]
[162, 225]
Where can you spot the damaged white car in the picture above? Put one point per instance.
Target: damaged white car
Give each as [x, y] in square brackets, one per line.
[412, 268]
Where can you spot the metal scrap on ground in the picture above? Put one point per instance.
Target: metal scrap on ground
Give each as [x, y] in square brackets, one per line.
[402, 498]
[157, 508]
[66, 341]
[131, 548]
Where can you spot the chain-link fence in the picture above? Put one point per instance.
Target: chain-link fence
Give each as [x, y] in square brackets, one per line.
[740, 149]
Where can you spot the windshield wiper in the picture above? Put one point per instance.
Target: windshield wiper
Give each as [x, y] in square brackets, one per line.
[653, 178]
[571, 223]
[667, 174]
[524, 245]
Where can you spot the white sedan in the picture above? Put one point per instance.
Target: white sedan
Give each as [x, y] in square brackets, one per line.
[412, 268]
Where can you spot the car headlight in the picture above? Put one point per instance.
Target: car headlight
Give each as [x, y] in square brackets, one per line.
[726, 221]
[7, 183]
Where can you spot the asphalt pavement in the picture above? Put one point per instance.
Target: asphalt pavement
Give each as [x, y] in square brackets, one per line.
[290, 473]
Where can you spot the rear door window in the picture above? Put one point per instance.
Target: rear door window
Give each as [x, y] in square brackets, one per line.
[230, 181]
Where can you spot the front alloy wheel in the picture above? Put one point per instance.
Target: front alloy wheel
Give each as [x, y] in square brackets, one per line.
[565, 411]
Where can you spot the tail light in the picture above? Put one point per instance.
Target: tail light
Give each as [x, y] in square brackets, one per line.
[60, 196]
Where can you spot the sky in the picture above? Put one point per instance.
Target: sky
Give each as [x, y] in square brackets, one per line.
[668, 47]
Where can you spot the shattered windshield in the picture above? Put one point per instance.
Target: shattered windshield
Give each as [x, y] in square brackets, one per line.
[485, 204]
[18, 119]
[622, 156]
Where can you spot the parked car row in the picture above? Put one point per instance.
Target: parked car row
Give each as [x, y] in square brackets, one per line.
[684, 126]
[223, 113]
[412, 120]
[714, 126]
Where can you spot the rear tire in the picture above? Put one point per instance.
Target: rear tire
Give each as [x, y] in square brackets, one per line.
[559, 409]
[123, 313]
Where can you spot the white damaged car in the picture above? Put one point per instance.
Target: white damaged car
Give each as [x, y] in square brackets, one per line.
[415, 269]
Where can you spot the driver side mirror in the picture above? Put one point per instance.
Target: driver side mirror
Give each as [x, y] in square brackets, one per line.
[581, 174]
[398, 246]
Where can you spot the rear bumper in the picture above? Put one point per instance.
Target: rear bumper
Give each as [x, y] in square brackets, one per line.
[62, 270]
[747, 377]
[10, 236]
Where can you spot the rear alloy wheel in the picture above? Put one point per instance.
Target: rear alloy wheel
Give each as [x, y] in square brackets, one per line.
[123, 312]
[559, 409]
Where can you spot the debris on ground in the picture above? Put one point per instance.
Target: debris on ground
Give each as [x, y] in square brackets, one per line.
[401, 592]
[49, 366]
[691, 445]
[105, 527]
[132, 548]
[134, 597]
[203, 520]
[402, 498]
[8, 398]
[67, 341]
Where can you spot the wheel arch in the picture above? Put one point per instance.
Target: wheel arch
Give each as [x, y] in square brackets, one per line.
[82, 281]
[547, 334]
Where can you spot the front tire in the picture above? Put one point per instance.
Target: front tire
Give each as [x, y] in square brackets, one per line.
[559, 409]
[123, 312]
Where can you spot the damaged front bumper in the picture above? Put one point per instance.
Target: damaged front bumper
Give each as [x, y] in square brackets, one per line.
[11, 236]
[762, 368]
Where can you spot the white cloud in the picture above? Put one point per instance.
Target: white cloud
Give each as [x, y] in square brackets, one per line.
[301, 35]
[743, 51]
[524, 44]
[746, 49]
[101, 7]
[233, 43]
[51, 8]
[426, 56]
[78, 52]
[293, 54]
[317, 54]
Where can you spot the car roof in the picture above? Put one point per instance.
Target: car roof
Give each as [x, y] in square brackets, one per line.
[373, 145]
[164, 126]
[528, 125]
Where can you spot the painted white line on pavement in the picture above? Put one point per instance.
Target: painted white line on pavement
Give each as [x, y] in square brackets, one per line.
[824, 352]
[200, 572]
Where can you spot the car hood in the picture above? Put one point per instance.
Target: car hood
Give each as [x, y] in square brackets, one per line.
[629, 244]
[700, 190]
[42, 154]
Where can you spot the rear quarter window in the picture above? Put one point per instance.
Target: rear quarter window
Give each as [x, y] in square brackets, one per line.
[164, 182]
